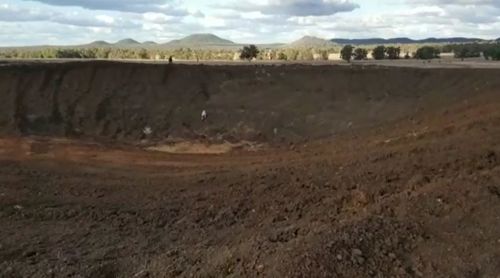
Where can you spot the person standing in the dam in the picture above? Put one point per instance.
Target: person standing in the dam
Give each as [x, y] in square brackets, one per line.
[203, 115]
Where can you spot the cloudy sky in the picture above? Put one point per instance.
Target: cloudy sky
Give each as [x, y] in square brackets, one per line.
[36, 22]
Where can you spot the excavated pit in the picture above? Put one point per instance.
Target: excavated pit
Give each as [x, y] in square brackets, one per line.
[258, 103]
[299, 171]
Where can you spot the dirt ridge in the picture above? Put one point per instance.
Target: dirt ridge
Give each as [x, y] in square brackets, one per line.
[254, 102]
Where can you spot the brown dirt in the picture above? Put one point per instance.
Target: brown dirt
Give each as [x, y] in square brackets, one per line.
[411, 193]
[111, 100]
[204, 148]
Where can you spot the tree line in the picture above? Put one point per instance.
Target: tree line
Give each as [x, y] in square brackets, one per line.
[473, 50]
[381, 52]
[348, 53]
[114, 53]
[489, 51]
[163, 54]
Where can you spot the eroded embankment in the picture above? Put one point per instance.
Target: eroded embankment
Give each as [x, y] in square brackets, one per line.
[118, 100]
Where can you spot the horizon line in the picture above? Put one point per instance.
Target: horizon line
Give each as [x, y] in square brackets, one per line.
[249, 43]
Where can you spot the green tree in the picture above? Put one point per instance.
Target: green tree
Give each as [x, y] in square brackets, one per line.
[378, 52]
[88, 53]
[103, 53]
[143, 54]
[67, 53]
[282, 56]
[393, 52]
[346, 53]
[427, 53]
[249, 52]
[467, 51]
[360, 54]
[492, 52]
[448, 48]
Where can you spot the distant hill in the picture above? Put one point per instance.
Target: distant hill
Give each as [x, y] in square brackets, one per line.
[213, 42]
[200, 40]
[127, 42]
[452, 40]
[308, 41]
[372, 41]
[99, 44]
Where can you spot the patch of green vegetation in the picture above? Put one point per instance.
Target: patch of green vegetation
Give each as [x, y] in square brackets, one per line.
[156, 52]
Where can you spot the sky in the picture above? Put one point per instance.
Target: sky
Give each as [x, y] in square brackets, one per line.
[66, 22]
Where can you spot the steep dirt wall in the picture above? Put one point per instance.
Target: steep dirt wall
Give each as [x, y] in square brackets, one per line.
[117, 100]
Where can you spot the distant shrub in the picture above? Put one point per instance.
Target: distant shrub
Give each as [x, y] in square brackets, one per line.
[68, 53]
[393, 52]
[142, 54]
[492, 53]
[467, 51]
[346, 53]
[249, 52]
[427, 53]
[378, 52]
[360, 54]
[282, 56]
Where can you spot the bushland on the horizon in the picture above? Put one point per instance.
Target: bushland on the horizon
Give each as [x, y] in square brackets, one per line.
[488, 50]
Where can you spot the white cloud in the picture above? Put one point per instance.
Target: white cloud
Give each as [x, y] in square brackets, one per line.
[257, 21]
[106, 19]
[456, 2]
[134, 6]
[157, 18]
[10, 13]
[295, 7]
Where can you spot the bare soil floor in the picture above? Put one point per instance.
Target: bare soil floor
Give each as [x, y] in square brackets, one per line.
[413, 196]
